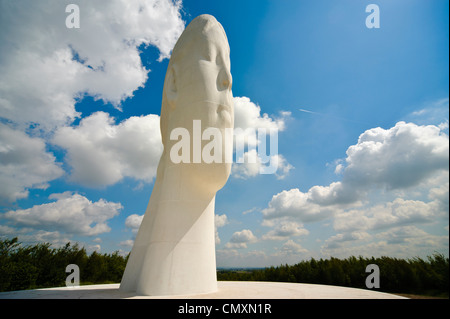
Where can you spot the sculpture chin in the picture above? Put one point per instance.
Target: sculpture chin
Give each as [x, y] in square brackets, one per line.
[209, 177]
[219, 173]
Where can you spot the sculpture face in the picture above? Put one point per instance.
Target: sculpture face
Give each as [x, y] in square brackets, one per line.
[202, 82]
[205, 76]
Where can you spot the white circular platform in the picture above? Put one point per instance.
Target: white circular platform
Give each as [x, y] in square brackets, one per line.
[227, 290]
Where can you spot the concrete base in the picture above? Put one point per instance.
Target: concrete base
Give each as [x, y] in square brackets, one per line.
[227, 290]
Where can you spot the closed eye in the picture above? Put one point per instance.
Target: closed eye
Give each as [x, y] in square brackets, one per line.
[208, 54]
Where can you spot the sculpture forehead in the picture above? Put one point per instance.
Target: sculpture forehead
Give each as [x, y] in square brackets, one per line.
[203, 32]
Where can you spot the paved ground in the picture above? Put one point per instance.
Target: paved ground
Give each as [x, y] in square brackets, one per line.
[227, 290]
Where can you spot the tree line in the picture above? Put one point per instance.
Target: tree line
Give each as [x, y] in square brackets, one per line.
[40, 266]
[428, 276]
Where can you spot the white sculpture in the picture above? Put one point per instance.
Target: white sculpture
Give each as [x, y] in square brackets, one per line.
[174, 250]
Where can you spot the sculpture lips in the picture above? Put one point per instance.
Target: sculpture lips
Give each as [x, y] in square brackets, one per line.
[224, 111]
[224, 107]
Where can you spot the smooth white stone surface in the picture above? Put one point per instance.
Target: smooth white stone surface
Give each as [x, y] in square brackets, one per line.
[226, 290]
[174, 250]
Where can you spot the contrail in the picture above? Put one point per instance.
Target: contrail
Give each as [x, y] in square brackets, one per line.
[306, 111]
[329, 115]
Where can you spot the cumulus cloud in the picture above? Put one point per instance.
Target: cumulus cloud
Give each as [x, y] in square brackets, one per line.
[399, 235]
[240, 239]
[134, 222]
[219, 221]
[397, 158]
[127, 243]
[250, 165]
[391, 178]
[247, 115]
[401, 157]
[402, 242]
[396, 213]
[290, 247]
[30, 236]
[295, 204]
[43, 76]
[338, 240]
[285, 230]
[70, 213]
[24, 164]
[393, 225]
[248, 120]
[101, 153]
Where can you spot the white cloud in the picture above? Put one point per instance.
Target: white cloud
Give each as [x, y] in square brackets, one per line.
[219, 221]
[434, 112]
[7, 231]
[101, 153]
[24, 164]
[290, 247]
[402, 212]
[338, 240]
[290, 252]
[336, 193]
[240, 239]
[71, 213]
[397, 158]
[400, 158]
[43, 76]
[134, 222]
[402, 234]
[248, 120]
[401, 242]
[296, 204]
[250, 165]
[30, 237]
[251, 210]
[438, 193]
[248, 115]
[386, 215]
[127, 243]
[234, 258]
[392, 178]
[285, 230]
[283, 167]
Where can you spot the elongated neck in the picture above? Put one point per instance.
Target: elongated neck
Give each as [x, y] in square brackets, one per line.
[178, 185]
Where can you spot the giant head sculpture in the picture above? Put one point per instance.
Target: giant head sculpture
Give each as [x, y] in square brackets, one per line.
[174, 250]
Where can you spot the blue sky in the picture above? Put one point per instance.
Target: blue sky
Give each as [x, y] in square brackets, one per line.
[362, 120]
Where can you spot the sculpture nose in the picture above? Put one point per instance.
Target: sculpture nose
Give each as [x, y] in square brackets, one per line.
[224, 80]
